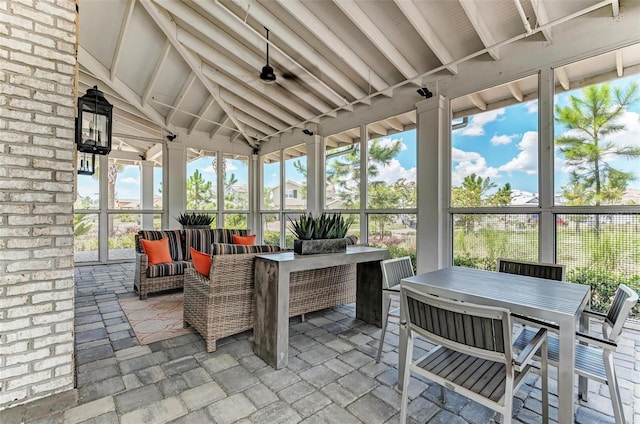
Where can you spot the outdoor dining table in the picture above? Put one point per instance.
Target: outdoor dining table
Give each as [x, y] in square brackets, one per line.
[558, 302]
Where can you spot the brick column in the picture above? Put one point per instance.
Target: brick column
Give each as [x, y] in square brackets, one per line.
[37, 80]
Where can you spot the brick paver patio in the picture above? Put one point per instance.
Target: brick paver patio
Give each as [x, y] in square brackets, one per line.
[332, 375]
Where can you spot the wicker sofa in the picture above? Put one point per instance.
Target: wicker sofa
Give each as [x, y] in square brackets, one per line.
[224, 303]
[160, 277]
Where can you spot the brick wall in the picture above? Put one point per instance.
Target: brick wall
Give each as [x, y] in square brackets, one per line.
[37, 80]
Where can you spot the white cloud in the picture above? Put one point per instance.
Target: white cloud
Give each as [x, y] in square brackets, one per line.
[532, 106]
[395, 171]
[388, 142]
[631, 134]
[129, 180]
[527, 159]
[502, 139]
[470, 163]
[477, 122]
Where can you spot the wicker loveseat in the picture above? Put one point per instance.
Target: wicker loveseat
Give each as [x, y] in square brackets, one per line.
[224, 303]
[155, 278]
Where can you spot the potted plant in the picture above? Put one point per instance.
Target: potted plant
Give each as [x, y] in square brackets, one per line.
[195, 220]
[323, 234]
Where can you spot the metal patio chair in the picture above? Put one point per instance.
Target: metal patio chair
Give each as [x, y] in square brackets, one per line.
[474, 355]
[393, 270]
[532, 269]
[594, 354]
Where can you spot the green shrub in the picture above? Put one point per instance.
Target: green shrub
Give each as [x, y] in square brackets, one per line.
[604, 283]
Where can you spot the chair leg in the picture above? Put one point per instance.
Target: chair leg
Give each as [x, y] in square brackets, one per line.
[614, 389]
[405, 380]
[544, 373]
[386, 304]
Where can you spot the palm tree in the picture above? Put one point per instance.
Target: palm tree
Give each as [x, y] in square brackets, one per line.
[591, 118]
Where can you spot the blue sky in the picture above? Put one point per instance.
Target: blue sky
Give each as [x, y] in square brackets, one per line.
[501, 144]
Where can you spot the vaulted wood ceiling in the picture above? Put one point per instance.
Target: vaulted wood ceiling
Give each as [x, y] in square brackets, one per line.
[194, 65]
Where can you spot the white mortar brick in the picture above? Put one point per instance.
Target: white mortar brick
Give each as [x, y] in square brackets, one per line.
[31, 82]
[56, 11]
[14, 185]
[66, 155]
[53, 98]
[53, 55]
[27, 357]
[58, 143]
[32, 197]
[63, 370]
[53, 76]
[65, 262]
[7, 372]
[31, 128]
[19, 255]
[14, 232]
[32, 14]
[15, 91]
[65, 47]
[53, 209]
[64, 133]
[15, 348]
[64, 306]
[31, 105]
[32, 38]
[64, 327]
[64, 241]
[65, 25]
[8, 113]
[8, 301]
[16, 45]
[29, 243]
[53, 384]
[36, 287]
[48, 186]
[65, 69]
[32, 60]
[17, 68]
[31, 151]
[52, 274]
[9, 279]
[28, 379]
[63, 284]
[64, 348]
[26, 310]
[15, 208]
[49, 363]
[55, 33]
[14, 397]
[13, 160]
[53, 120]
[54, 231]
[65, 111]
[52, 253]
[51, 318]
[30, 220]
[11, 137]
[65, 176]
[30, 174]
[51, 296]
[65, 198]
[27, 334]
[52, 340]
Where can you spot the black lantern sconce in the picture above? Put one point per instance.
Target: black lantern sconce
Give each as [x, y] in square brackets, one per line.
[93, 126]
[86, 163]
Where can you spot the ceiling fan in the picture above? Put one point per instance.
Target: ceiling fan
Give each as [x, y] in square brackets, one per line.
[267, 74]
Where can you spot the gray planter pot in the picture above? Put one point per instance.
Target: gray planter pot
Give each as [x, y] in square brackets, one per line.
[319, 246]
[196, 227]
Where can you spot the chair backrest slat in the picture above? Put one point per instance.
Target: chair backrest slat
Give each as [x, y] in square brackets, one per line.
[460, 325]
[394, 270]
[532, 269]
[623, 301]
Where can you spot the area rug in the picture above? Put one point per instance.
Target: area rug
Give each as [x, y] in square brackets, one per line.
[156, 318]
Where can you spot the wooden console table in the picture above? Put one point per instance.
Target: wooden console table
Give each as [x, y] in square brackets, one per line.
[272, 276]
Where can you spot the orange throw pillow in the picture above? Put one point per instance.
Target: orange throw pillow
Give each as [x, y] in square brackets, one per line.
[157, 251]
[244, 240]
[201, 262]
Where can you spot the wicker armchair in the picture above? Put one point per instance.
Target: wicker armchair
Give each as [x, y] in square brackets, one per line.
[224, 303]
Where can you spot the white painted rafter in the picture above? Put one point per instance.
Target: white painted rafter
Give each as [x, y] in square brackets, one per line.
[156, 71]
[542, 17]
[250, 108]
[271, 91]
[169, 28]
[472, 11]
[216, 36]
[478, 101]
[377, 37]
[294, 41]
[188, 83]
[203, 110]
[515, 91]
[333, 42]
[420, 24]
[103, 74]
[619, 63]
[563, 78]
[123, 30]
[615, 8]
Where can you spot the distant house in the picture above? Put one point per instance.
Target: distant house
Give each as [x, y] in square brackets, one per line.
[293, 195]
